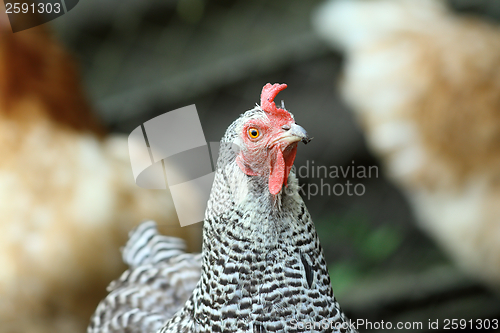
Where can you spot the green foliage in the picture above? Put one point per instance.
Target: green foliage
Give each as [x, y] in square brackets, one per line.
[371, 244]
[361, 246]
[380, 243]
[344, 275]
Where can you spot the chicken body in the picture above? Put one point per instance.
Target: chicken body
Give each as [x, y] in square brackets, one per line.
[67, 195]
[262, 266]
[425, 84]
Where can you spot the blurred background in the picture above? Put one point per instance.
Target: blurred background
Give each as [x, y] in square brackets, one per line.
[430, 66]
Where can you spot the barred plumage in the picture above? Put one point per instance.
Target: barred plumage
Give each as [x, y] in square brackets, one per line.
[262, 266]
[160, 279]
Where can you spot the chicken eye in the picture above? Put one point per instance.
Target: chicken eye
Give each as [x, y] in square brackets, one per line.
[253, 132]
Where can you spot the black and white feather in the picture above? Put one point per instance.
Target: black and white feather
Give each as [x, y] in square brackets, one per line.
[160, 279]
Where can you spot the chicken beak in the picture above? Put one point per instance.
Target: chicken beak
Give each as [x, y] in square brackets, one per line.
[294, 134]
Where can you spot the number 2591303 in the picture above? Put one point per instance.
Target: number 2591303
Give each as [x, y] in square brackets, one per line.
[41, 8]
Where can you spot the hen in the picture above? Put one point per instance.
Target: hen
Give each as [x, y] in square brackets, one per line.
[425, 84]
[262, 266]
[67, 195]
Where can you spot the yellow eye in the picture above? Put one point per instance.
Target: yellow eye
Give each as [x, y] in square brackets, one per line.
[253, 132]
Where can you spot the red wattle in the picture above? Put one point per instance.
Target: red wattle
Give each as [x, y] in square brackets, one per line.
[277, 175]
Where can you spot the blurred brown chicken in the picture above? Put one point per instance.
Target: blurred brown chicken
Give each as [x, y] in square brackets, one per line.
[425, 84]
[67, 194]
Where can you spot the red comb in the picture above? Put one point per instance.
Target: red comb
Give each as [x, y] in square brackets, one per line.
[269, 92]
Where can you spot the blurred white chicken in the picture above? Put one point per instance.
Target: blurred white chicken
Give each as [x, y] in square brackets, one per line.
[425, 84]
[67, 193]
